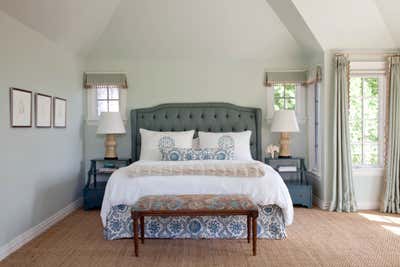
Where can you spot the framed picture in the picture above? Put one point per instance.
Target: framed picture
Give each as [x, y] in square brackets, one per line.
[20, 107]
[42, 111]
[59, 112]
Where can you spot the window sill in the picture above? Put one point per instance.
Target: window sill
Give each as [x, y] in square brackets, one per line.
[368, 171]
[96, 122]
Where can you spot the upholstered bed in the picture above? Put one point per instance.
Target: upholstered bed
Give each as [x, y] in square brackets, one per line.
[275, 206]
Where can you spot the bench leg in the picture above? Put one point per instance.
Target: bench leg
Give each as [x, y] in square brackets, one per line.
[135, 234]
[142, 228]
[248, 228]
[254, 235]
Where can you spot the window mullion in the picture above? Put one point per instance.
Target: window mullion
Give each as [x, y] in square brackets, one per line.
[284, 97]
[108, 99]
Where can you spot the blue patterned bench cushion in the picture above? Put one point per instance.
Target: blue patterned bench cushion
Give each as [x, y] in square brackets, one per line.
[194, 202]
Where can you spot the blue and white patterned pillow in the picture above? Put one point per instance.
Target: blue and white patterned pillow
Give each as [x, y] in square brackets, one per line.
[183, 154]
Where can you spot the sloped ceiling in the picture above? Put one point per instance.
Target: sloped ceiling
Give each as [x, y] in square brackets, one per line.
[240, 29]
[192, 28]
[348, 24]
[73, 24]
[390, 12]
[294, 22]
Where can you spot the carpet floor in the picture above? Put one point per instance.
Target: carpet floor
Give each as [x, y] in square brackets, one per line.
[317, 238]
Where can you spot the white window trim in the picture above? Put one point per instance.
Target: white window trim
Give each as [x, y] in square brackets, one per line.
[92, 117]
[368, 172]
[300, 103]
[313, 166]
[375, 169]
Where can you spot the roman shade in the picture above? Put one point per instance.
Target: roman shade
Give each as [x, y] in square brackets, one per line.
[92, 80]
[286, 77]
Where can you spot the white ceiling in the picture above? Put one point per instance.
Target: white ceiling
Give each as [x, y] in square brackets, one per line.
[239, 29]
[347, 24]
[390, 12]
[192, 28]
[73, 24]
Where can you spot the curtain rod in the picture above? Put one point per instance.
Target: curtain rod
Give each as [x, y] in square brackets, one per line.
[286, 70]
[104, 72]
[383, 53]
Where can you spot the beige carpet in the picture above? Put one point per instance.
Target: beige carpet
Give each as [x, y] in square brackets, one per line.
[317, 238]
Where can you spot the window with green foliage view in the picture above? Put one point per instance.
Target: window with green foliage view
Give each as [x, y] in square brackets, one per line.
[364, 121]
[284, 96]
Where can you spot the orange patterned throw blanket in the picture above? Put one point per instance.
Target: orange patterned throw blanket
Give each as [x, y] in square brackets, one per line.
[198, 168]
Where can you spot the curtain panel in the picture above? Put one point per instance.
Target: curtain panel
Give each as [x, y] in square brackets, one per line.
[343, 197]
[391, 203]
[93, 80]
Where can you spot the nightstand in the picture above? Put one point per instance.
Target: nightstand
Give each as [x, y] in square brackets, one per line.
[293, 172]
[93, 192]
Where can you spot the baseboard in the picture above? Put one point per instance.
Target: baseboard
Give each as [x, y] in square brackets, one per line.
[33, 232]
[368, 205]
[324, 205]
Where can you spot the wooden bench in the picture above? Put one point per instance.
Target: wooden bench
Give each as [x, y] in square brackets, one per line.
[194, 205]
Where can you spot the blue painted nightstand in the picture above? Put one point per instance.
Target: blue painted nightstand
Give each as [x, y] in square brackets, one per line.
[93, 192]
[296, 180]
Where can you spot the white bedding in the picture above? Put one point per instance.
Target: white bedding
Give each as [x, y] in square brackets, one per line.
[267, 190]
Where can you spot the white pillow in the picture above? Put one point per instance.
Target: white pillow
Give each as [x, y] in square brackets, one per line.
[238, 141]
[153, 142]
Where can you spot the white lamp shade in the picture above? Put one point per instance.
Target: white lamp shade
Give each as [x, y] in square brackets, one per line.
[284, 121]
[111, 123]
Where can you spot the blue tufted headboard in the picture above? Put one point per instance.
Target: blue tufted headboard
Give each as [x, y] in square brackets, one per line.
[211, 117]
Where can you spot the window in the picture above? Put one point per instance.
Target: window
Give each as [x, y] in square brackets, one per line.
[107, 99]
[366, 119]
[284, 96]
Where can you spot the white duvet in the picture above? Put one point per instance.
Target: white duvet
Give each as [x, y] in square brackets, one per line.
[124, 189]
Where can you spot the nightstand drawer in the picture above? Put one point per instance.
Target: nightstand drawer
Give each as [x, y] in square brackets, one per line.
[301, 194]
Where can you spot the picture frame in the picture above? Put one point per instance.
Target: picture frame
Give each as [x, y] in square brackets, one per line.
[43, 110]
[20, 108]
[59, 112]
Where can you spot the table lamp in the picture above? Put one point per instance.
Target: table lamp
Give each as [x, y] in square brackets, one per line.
[284, 122]
[110, 124]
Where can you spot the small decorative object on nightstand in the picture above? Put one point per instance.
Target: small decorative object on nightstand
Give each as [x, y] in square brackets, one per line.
[93, 192]
[272, 150]
[293, 172]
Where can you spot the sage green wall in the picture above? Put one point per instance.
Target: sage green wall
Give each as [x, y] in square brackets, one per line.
[153, 82]
[40, 168]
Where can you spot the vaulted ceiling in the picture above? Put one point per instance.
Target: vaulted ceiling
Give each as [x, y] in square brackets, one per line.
[348, 24]
[73, 24]
[243, 29]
